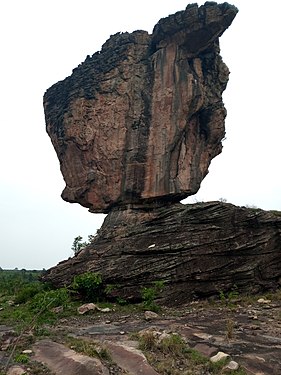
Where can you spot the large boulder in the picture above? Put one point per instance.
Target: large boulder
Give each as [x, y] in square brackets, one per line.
[141, 120]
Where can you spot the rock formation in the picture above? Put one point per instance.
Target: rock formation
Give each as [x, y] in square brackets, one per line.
[135, 128]
[198, 250]
[141, 120]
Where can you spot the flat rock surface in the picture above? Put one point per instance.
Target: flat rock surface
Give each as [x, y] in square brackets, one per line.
[251, 334]
[62, 360]
[129, 358]
[248, 331]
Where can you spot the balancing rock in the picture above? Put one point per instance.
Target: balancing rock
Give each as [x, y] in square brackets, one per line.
[140, 121]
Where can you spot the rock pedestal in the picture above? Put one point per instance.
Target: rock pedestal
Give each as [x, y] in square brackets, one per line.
[197, 250]
[135, 128]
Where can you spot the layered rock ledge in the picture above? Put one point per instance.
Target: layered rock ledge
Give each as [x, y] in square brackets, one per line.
[198, 250]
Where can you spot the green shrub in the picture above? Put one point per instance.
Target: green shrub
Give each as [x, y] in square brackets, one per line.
[89, 286]
[230, 297]
[28, 292]
[78, 245]
[47, 300]
[22, 358]
[149, 294]
[121, 301]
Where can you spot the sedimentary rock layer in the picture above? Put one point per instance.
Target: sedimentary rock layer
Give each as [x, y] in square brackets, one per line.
[198, 250]
[141, 120]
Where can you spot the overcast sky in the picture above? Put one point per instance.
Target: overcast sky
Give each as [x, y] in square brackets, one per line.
[42, 41]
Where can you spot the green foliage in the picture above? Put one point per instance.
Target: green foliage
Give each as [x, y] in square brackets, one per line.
[229, 298]
[159, 285]
[28, 292]
[196, 357]
[13, 281]
[164, 354]
[36, 311]
[78, 245]
[121, 301]
[33, 314]
[22, 358]
[173, 344]
[89, 286]
[48, 299]
[149, 294]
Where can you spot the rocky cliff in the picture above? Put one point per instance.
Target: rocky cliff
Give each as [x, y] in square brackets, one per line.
[198, 250]
[141, 120]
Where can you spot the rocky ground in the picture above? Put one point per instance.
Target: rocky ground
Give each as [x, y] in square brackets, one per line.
[248, 331]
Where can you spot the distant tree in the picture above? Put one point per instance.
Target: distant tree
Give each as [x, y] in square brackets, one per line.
[78, 244]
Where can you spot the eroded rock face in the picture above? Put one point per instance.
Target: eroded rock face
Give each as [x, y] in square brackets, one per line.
[141, 120]
[197, 250]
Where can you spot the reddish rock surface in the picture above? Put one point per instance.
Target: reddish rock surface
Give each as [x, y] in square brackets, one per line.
[141, 120]
[62, 360]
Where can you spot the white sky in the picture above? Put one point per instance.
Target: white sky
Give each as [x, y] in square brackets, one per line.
[42, 41]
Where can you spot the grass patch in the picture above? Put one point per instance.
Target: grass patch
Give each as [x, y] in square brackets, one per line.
[27, 305]
[22, 358]
[171, 356]
[90, 349]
